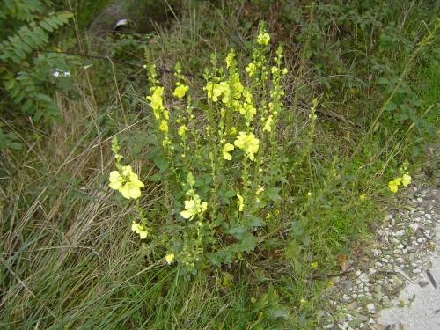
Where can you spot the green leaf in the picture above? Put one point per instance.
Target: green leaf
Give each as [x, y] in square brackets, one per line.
[401, 117]
[237, 231]
[254, 221]
[15, 146]
[47, 26]
[229, 193]
[273, 194]
[383, 81]
[248, 242]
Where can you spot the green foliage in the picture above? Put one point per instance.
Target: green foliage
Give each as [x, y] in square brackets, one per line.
[360, 49]
[28, 74]
[24, 80]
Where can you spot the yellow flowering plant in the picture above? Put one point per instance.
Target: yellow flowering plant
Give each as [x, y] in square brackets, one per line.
[403, 180]
[218, 158]
[124, 179]
[129, 186]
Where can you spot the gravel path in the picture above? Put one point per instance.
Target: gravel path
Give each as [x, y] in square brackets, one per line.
[405, 260]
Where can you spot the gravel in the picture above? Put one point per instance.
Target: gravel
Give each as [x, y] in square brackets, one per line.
[405, 248]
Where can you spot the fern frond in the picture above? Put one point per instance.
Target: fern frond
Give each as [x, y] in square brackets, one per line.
[23, 10]
[32, 37]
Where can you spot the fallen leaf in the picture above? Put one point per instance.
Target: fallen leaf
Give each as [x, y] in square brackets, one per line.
[342, 261]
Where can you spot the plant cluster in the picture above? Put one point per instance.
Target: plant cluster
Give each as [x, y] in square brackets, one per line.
[218, 158]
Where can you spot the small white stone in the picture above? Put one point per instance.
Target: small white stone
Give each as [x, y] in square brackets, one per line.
[414, 226]
[400, 233]
[358, 273]
[419, 199]
[428, 216]
[417, 219]
[420, 240]
[388, 217]
[373, 271]
[344, 326]
[364, 278]
[371, 308]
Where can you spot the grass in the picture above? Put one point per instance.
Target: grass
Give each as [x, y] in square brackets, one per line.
[68, 257]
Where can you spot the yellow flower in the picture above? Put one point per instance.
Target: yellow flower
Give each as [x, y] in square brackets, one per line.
[215, 91]
[180, 91]
[363, 197]
[126, 182]
[169, 258]
[182, 130]
[116, 180]
[248, 143]
[406, 180]
[248, 111]
[193, 207]
[236, 86]
[250, 69]
[163, 126]
[259, 190]
[269, 123]
[314, 265]
[229, 59]
[227, 147]
[240, 202]
[131, 189]
[263, 39]
[393, 185]
[139, 229]
[156, 100]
